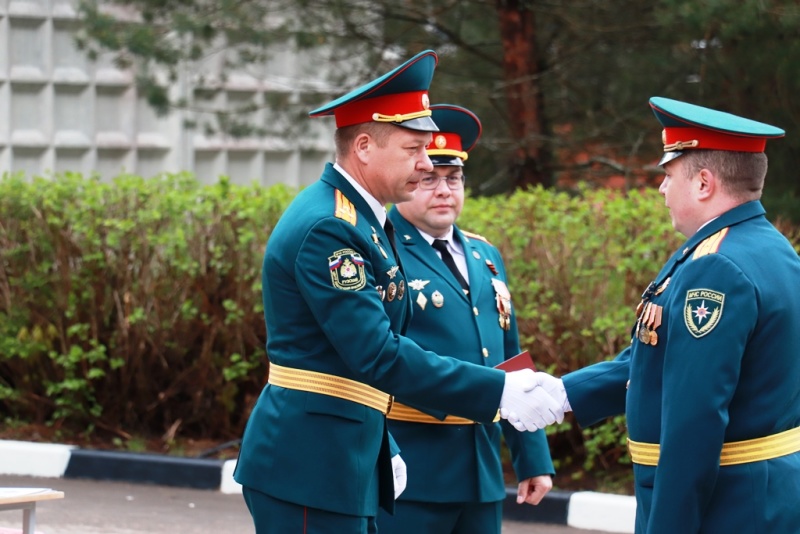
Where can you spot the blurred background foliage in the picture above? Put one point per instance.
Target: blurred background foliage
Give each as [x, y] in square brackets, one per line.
[560, 85]
[131, 309]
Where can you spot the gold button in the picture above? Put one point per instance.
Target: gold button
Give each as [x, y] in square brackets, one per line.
[485, 352]
[475, 310]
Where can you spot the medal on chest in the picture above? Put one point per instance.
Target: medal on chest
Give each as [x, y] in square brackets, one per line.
[503, 300]
[649, 314]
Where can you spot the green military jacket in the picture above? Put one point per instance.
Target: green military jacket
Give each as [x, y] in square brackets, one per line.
[714, 358]
[327, 276]
[461, 463]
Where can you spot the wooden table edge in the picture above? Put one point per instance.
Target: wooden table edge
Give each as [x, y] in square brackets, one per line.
[32, 497]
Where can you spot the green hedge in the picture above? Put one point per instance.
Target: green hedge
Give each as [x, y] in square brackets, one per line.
[134, 306]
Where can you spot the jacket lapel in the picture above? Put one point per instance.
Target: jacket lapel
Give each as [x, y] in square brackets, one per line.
[474, 261]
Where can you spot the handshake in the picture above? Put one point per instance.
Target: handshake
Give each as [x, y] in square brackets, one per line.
[532, 400]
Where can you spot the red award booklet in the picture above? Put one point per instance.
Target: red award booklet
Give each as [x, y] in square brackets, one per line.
[523, 360]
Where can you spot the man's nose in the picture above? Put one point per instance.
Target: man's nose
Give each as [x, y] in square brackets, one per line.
[441, 187]
[425, 163]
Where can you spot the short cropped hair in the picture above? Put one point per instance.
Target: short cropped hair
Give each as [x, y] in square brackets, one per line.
[344, 137]
[742, 173]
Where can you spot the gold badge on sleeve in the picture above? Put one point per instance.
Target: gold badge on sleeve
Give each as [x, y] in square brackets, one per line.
[347, 269]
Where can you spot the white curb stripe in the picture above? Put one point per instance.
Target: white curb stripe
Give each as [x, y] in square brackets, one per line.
[34, 459]
[585, 509]
[229, 485]
[602, 511]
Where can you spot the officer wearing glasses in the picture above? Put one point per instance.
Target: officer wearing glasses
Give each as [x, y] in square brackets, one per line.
[458, 287]
[316, 454]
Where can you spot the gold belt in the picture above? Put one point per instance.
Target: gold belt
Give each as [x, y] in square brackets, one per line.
[331, 385]
[733, 453]
[401, 412]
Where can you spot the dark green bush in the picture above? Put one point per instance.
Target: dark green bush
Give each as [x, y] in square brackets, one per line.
[134, 306]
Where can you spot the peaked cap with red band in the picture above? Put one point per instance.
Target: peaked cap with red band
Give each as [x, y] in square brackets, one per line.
[398, 97]
[691, 127]
[459, 130]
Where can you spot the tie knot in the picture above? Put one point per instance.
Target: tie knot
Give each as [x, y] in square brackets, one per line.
[440, 245]
[447, 258]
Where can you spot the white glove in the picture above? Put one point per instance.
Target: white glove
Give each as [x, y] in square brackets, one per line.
[555, 388]
[400, 475]
[526, 405]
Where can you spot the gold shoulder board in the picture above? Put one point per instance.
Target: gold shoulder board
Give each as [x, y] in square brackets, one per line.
[345, 209]
[710, 245]
[475, 236]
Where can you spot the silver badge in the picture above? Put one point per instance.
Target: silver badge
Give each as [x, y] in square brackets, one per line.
[418, 285]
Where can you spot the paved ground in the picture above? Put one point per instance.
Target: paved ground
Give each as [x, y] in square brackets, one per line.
[92, 507]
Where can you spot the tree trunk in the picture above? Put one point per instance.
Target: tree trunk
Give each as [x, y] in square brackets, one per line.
[525, 100]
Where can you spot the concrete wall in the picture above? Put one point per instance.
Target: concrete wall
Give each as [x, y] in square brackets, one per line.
[61, 112]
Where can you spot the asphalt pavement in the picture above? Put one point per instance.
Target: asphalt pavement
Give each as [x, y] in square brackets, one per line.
[109, 507]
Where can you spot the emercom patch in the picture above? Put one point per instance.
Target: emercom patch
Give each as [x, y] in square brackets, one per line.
[703, 311]
[347, 269]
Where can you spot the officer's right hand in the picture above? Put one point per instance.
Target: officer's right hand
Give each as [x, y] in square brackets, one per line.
[555, 388]
[527, 405]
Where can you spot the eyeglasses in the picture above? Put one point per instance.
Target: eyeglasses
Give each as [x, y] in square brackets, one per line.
[453, 181]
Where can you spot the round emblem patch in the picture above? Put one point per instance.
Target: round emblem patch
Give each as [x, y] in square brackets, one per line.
[440, 141]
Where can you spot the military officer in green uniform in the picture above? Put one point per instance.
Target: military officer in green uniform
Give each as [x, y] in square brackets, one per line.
[711, 381]
[455, 474]
[316, 456]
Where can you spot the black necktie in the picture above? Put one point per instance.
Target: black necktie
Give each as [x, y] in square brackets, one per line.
[388, 227]
[441, 246]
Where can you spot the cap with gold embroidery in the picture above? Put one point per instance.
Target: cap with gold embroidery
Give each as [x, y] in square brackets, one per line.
[459, 130]
[399, 97]
[691, 127]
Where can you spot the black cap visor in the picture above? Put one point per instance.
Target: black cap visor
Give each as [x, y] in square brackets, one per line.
[422, 124]
[669, 156]
[444, 161]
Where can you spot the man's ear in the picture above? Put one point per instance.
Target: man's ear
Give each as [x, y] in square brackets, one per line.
[706, 185]
[362, 147]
